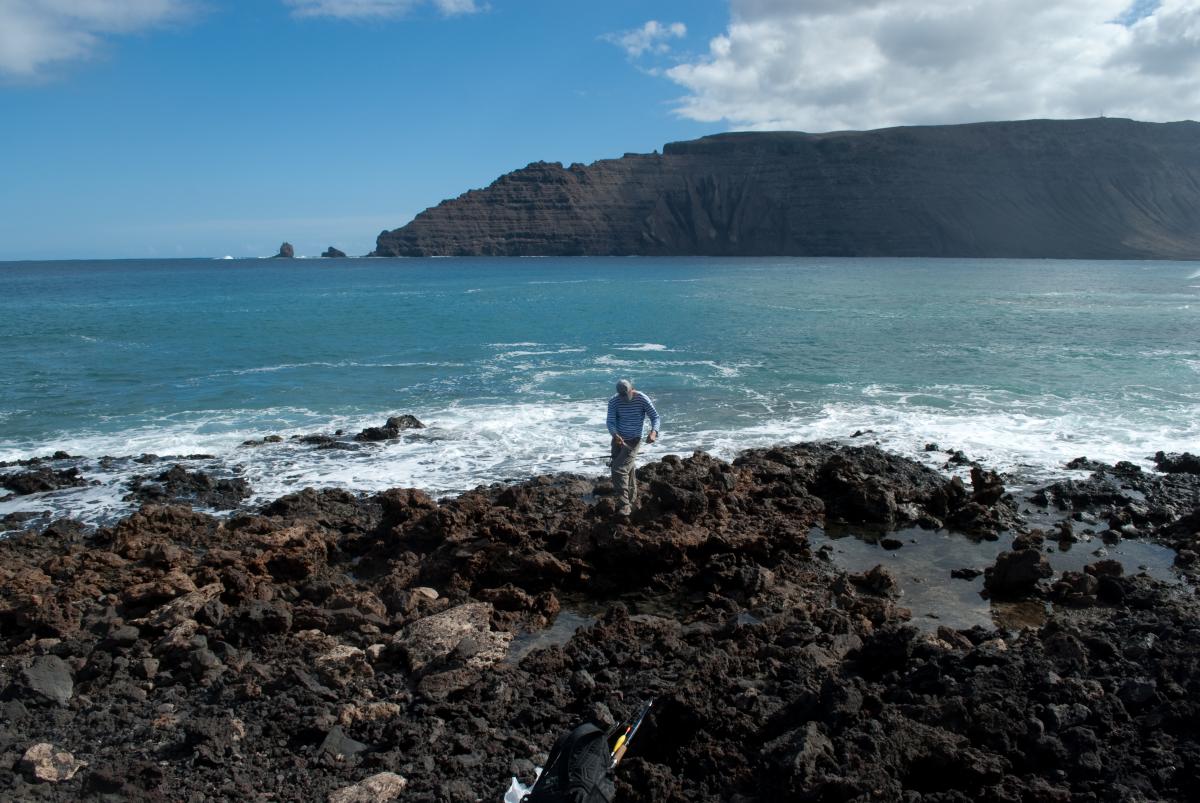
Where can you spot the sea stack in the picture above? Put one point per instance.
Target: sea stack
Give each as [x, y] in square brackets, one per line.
[333, 253]
[286, 252]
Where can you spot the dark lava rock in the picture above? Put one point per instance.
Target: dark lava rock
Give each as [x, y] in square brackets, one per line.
[35, 461]
[1016, 574]
[1132, 501]
[390, 430]
[333, 253]
[285, 251]
[965, 573]
[987, 487]
[957, 458]
[42, 479]
[214, 658]
[877, 580]
[178, 485]
[1083, 464]
[338, 746]
[22, 519]
[47, 678]
[1186, 463]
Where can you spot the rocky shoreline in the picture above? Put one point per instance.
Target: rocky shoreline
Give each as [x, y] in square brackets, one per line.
[337, 646]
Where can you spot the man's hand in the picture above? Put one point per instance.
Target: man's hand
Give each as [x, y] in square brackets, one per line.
[652, 437]
[618, 441]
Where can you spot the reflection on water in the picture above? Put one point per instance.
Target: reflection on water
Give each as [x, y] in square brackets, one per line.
[923, 564]
[559, 633]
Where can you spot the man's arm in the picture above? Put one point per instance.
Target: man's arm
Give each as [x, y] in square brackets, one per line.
[655, 421]
[612, 417]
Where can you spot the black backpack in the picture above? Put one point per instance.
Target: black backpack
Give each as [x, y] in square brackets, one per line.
[578, 769]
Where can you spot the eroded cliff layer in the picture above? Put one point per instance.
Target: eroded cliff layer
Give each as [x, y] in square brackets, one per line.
[1088, 189]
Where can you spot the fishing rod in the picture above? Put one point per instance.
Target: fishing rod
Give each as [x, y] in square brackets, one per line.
[623, 741]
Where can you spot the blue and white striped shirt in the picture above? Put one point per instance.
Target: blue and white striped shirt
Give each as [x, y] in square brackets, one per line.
[627, 416]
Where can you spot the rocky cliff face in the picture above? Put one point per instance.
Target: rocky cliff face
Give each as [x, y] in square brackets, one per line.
[1098, 189]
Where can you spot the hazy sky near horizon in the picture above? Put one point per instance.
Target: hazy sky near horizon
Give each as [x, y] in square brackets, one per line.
[144, 128]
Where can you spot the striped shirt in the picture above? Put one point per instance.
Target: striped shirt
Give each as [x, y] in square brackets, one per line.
[627, 416]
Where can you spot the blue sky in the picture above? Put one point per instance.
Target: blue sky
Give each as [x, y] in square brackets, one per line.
[242, 126]
[156, 128]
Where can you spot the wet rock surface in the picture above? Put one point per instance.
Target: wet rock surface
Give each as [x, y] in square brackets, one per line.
[1161, 505]
[391, 429]
[177, 485]
[1186, 463]
[331, 645]
[42, 479]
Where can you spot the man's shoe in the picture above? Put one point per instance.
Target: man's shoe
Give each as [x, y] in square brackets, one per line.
[625, 512]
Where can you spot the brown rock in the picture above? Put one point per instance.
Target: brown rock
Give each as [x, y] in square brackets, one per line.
[341, 665]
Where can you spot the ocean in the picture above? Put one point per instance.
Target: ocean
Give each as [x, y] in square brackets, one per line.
[1021, 364]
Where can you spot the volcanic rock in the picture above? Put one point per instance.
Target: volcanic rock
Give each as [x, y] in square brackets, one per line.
[1186, 463]
[908, 191]
[379, 788]
[333, 253]
[285, 251]
[45, 762]
[775, 676]
[42, 479]
[1017, 573]
[391, 429]
[436, 637]
[47, 678]
[177, 485]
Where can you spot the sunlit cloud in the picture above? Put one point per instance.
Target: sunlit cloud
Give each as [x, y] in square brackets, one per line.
[652, 37]
[36, 34]
[827, 65]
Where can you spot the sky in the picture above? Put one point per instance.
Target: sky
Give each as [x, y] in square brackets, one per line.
[163, 128]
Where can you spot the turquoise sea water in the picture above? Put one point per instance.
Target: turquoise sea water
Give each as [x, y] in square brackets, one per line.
[1022, 364]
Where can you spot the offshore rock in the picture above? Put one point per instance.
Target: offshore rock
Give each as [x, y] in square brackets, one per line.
[391, 429]
[333, 253]
[42, 479]
[1088, 189]
[285, 251]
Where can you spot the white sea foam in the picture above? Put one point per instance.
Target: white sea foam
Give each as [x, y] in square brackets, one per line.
[641, 347]
[469, 444]
[342, 364]
[1194, 274]
[564, 350]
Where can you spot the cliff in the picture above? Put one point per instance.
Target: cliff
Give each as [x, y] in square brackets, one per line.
[1089, 189]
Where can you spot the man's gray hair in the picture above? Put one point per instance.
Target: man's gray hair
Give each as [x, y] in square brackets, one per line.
[624, 387]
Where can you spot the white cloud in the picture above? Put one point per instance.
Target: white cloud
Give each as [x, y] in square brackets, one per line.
[651, 37]
[838, 64]
[366, 9]
[37, 33]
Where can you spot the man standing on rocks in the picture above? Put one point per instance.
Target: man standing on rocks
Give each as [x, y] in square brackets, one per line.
[627, 413]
